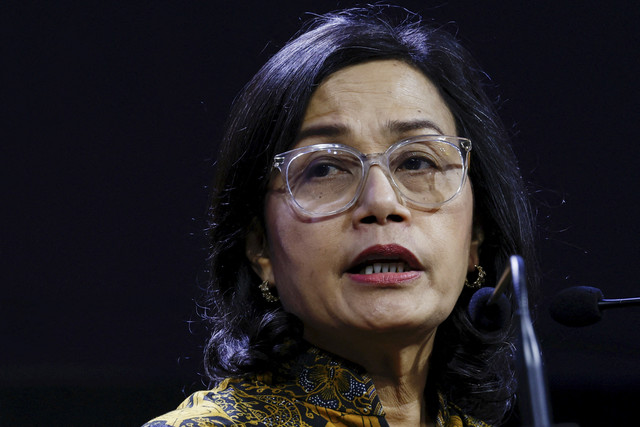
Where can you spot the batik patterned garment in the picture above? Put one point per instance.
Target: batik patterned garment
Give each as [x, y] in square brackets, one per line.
[317, 389]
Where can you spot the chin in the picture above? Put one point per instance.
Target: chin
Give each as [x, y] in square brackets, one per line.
[417, 326]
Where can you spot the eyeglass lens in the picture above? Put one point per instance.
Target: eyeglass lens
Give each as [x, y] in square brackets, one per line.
[427, 173]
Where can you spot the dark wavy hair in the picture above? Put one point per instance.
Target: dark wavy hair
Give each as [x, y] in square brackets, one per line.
[473, 368]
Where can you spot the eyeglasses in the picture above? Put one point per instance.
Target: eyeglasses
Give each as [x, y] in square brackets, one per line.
[326, 179]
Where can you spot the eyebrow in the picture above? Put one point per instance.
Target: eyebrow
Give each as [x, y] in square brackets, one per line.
[331, 130]
[400, 126]
[395, 127]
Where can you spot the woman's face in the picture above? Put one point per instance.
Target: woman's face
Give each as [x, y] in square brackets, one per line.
[313, 263]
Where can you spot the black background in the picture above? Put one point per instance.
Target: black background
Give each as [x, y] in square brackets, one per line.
[110, 117]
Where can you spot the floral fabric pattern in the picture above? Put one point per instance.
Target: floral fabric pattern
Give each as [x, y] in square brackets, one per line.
[314, 390]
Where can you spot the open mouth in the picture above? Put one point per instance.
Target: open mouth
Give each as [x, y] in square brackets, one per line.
[384, 259]
[385, 266]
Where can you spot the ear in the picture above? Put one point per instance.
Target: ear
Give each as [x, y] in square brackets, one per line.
[257, 251]
[477, 236]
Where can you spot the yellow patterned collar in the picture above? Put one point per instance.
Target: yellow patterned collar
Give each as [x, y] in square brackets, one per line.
[325, 380]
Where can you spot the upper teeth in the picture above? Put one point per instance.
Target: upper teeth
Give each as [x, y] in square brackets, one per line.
[383, 267]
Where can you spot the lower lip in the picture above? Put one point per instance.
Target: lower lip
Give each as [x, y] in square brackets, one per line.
[385, 279]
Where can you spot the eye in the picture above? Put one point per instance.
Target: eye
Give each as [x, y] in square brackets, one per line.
[324, 168]
[416, 162]
[321, 170]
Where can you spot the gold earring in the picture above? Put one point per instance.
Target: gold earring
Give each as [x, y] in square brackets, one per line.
[477, 284]
[266, 292]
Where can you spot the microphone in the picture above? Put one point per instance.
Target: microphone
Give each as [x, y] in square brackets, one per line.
[487, 315]
[489, 309]
[583, 305]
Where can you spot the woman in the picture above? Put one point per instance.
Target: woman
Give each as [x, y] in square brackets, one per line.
[365, 188]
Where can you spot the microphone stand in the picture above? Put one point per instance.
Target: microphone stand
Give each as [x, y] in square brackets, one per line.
[534, 396]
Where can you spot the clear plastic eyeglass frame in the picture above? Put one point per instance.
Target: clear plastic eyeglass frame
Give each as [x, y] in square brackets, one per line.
[283, 161]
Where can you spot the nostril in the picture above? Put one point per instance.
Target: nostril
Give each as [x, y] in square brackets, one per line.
[369, 220]
[372, 219]
[395, 218]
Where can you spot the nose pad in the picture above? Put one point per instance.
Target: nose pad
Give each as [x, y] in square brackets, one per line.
[380, 200]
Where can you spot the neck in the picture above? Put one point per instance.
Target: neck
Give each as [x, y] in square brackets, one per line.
[398, 368]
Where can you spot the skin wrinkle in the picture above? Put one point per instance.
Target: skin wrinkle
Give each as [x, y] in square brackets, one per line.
[388, 331]
[337, 130]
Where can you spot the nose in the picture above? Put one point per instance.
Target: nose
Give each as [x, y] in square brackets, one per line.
[379, 202]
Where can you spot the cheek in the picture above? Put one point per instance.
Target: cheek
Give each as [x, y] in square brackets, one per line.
[283, 236]
[464, 214]
[307, 259]
[297, 249]
[454, 233]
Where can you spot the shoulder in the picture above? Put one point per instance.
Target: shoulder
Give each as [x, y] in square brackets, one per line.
[450, 415]
[234, 402]
[461, 420]
[203, 408]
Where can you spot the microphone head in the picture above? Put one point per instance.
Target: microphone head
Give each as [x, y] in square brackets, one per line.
[577, 306]
[485, 316]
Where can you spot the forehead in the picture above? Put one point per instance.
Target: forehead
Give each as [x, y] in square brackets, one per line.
[379, 101]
